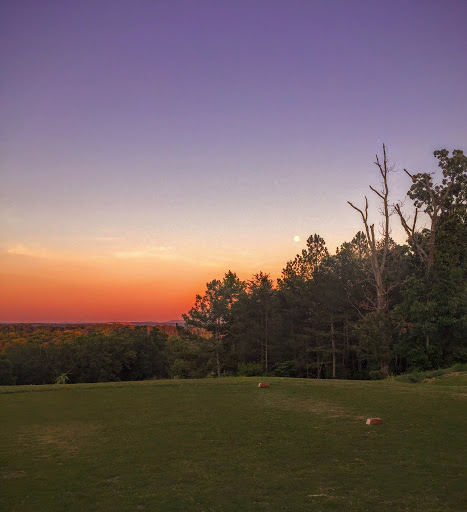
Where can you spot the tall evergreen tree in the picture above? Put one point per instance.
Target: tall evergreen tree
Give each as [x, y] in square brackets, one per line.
[212, 311]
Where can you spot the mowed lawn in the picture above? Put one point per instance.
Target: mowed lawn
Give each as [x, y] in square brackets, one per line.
[225, 445]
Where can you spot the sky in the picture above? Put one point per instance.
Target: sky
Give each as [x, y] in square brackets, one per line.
[147, 147]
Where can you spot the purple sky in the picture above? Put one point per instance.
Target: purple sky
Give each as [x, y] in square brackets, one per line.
[216, 130]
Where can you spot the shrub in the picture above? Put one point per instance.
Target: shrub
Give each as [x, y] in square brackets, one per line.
[249, 369]
[437, 373]
[377, 375]
[415, 377]
[285, 369]
[62, 379]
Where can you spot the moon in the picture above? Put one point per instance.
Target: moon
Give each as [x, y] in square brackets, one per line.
[296, 238]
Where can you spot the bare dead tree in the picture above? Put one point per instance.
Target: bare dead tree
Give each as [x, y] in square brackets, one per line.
[377, 250]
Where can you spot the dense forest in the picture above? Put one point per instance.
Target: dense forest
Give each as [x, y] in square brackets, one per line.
[374, 308]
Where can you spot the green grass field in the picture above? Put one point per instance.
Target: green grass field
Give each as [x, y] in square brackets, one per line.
[225, 445]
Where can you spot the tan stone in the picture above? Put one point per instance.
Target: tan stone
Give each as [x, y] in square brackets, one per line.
[263, 385]
[374, 421]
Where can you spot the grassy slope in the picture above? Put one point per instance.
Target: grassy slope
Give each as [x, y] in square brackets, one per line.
[225, 445]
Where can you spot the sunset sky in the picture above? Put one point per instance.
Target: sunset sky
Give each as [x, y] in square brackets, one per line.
[147, 147]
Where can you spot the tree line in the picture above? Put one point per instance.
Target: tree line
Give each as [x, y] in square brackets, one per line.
[372, 309]
[74, 354]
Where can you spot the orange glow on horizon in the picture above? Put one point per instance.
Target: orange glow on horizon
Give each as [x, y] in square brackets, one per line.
[45, 290]
[154, 284]
[39, 299]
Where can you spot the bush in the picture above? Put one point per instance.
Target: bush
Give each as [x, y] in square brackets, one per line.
[437, 373]
[285, 369]
[377, 375]
[412, 378]
[181, 369]
[62, 379]
[416, 377]
[250, 369]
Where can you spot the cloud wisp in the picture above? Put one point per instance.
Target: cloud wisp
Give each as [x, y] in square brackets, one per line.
[162, 252]
[22, 250]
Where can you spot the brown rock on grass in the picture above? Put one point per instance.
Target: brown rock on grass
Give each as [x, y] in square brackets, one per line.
[263, 385]
[374, 421]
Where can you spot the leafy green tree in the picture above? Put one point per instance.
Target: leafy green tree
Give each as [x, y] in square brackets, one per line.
[295, 294]
[328, 307]
[437, 199]
[255, 325]
[432, 310]
[101, 358]
[262, 299]
[33, 362]
[148, 345]
[6, 372]
[375, 333]
[212, 311]
[189, 357]
[305, 263]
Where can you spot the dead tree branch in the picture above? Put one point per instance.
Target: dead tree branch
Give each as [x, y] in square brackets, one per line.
[378, 257]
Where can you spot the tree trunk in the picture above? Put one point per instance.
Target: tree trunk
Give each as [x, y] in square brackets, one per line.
[333, 343]
[432, 242]
[266, 342]
[346, 340]
[218, 363]
[375, 247]
[380, 293]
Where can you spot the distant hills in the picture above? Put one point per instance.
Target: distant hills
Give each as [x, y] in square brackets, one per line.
[169, 322]
[180, 322]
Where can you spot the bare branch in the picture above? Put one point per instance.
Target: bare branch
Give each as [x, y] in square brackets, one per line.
[408, 173]
[378, 254]
[377, 193]
[380, 167]
[372, 238]
[411, 234]
[355, 208]
[415, 220]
